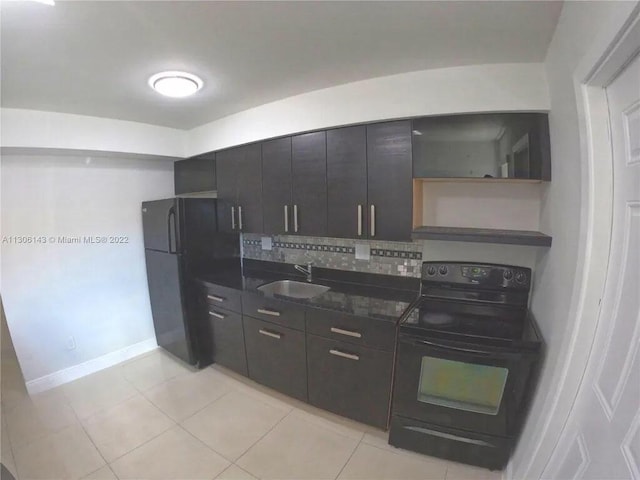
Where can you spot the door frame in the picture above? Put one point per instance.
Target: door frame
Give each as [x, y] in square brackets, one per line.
[610, 52]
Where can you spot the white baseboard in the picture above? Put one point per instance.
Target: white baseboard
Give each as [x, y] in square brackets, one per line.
[91, 366]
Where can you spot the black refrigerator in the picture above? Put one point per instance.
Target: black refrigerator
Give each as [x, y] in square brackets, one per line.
[181, 242]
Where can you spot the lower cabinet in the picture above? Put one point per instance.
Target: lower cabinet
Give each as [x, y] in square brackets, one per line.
[227, 339]
[276, 356]
[350, 380]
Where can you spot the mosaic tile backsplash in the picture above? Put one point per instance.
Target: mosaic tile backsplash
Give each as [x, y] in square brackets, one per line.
[388, 258]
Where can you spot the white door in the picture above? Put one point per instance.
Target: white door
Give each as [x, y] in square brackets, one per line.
[601, 439]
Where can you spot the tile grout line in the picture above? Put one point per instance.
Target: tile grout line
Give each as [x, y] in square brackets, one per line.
[197, 411]
[145, 442]
[119, 404]
[13, 447]
[261, 437]
[350, 457]
[94, 446]
[141, 445]
[243, 469]
[176, 423]
[207, 446]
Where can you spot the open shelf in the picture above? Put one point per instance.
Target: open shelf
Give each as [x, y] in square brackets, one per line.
[482, 235]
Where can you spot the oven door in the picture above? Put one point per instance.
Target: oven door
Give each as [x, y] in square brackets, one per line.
[469, 387]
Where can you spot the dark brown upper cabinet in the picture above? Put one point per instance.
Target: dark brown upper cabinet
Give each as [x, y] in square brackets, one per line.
[276, 186]
[495, 145]
[347, 182]
[194, 175]
[389, 183]
[239, 182]
[309, 183]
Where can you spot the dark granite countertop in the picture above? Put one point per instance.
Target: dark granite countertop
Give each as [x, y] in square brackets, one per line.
[383, 297]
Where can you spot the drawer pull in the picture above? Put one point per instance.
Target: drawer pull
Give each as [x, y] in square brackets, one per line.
[273, 313]
[373, 220]
[269, 334]
[217, 315]
[286, 219]
[338, 353]
[348, 333]
[216, 298]
[233, 218]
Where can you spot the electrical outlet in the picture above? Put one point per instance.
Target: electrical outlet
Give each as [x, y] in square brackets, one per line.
[71, 343]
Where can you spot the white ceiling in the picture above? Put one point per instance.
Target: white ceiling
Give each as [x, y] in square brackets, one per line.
[94, 57]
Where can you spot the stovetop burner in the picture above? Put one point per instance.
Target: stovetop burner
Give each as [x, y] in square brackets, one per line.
[480, 303]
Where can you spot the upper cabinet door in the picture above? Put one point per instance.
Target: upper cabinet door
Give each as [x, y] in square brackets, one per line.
[309, 174]
[249, 181]
[196, 174]
[389, 180]
[347, 182]
[276, 186]
[227, 163]
[491, 145]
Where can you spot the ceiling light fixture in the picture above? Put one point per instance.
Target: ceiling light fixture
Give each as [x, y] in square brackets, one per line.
[175, 84]
[46, 2]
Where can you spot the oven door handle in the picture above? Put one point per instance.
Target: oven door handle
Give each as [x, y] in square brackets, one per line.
[473, 351]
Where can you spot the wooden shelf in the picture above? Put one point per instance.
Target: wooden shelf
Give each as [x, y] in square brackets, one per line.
[482, 235]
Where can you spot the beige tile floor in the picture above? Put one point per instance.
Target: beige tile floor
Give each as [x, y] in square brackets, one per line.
[153, 418]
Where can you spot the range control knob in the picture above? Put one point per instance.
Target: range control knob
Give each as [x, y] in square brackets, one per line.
[443, 270]
[508, 274]
[431, 270]
[521, 277]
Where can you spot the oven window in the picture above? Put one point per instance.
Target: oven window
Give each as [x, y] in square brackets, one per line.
[464, 386]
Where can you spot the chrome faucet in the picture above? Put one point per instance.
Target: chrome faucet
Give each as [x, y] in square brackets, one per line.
[307, 271]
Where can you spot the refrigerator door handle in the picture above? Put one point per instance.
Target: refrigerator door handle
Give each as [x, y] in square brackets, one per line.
[171, 231]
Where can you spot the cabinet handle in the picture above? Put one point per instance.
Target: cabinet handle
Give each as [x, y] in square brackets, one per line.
[338, 353]
[286, 219]
[217, 315]
[295, 218]
[269, 334]
[359, 220]
[239, 218]
[216, 298]
[273, 313]
[233, 218]
[348, 333]
[373, 220]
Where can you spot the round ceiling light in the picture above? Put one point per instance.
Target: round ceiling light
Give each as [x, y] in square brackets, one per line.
[175, 84]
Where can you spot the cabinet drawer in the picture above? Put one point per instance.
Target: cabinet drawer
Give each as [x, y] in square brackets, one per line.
[272, 310]
[227, 339]
[223, 297]
[349, 380]
[276, 357]
[352, 329]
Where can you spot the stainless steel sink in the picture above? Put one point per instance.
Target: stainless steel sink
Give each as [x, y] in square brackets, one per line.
[293, 289]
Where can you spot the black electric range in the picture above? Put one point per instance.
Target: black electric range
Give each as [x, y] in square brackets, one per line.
[466, 359]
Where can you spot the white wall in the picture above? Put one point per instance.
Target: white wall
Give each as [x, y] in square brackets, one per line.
[510, 206]
[95, 293]
[475, 88]
[553, 291]
[29, 129]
